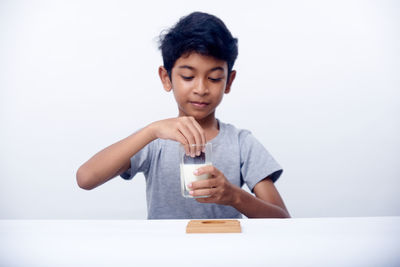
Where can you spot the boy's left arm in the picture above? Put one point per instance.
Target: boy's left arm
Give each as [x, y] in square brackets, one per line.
[267, 202]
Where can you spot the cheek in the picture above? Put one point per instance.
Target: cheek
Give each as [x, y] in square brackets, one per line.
[219, 89]
[181, 86]
[180, 90]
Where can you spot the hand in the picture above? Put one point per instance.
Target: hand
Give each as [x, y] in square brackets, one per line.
[217, 188]
[185, 130]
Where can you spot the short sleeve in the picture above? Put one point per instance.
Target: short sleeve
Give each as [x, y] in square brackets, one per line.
[140, 162]
[256, 163]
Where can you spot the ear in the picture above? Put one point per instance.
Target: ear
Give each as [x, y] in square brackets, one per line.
[230, 81]
[165, 80]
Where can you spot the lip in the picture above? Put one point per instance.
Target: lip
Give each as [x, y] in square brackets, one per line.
[199, 104]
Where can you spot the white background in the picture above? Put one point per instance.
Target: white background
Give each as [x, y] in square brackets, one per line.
[318, 84]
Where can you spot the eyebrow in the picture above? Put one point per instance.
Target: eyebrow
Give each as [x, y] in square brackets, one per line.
[186, 67]
[191, 68]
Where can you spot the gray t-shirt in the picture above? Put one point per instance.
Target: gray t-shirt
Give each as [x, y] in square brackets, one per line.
[236, 153]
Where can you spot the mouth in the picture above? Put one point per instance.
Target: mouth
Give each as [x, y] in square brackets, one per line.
[199, 104]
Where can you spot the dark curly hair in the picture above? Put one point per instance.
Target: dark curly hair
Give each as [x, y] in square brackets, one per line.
[201, 33]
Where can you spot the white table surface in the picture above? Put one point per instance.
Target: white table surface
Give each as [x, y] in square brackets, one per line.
[372, 241]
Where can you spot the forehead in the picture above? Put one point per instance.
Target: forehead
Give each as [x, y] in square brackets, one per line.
[198, 62]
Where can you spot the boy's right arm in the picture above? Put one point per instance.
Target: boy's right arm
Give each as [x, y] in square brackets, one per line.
[115, 159]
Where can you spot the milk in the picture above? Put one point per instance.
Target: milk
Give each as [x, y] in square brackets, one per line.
[187, 175]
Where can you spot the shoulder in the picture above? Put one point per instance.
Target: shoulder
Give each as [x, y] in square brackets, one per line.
[247, 142]
[231, 131]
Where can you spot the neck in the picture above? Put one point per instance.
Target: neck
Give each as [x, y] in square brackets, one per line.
[208, 123]
[210, 126]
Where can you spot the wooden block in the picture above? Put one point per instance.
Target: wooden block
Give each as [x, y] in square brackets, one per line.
[213, 226]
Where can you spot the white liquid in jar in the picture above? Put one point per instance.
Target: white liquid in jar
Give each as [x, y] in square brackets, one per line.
[187, 175]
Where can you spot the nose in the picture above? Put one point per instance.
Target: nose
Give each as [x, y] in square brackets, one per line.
[201, 87]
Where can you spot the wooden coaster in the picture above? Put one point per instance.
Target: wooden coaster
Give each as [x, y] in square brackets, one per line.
[213, 226]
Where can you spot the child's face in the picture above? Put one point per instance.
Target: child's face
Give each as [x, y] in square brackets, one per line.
[199, 83]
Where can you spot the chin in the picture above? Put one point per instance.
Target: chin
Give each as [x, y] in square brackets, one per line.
[198, 115]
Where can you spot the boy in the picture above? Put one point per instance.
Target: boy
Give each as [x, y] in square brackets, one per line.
[198, 55]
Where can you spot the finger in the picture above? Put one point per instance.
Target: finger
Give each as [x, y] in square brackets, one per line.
[200, 136]
[196, 135]
[193, 135]
[208, 169]
[183, 129]
[208, 183]
[182, 139]
[191, 124]
[184, 142]
[202, 192]
[204, 199]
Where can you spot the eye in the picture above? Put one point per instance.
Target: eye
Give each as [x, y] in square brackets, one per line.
[187, 78]
[215, 80]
